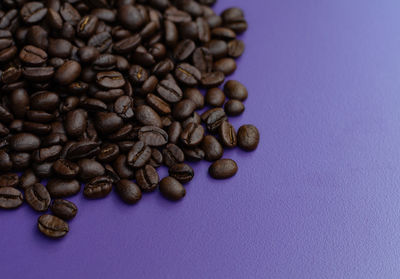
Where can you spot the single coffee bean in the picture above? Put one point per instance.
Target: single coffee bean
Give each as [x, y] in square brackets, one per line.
[68, 72]
[183, 109]
[222, 169]
[60, 188]
[213, 79]
[156, 158]
[172, 155]
[195, 95]
[147, 178]
[43, 170]
[139, 155]
[123, 106]
[213, 118]
[33, 56]
[129, 191]
[187, 74]
[153, 136]
[235, 90]
[110, 80]
[24, 142]
[130, 17]
[236, 48]
[98, 187]
[108, 153]
[28, 179]
[121, 167]
[225, 65]
[203, 29]
[227, 134]
[218, 48]
[223, 33]
[128, 44]
[64, 209]
[215, 97]
[60, 48]
[192, 135]
[47, 153]
[137, 74]
[81, 149]
[234, 107]
[181, 172]
[10, 198]
[212, 148]
[248, 137]
[169, 91]
[163, 67]
[89, 169]
[38, 74]
[44, 100]
[87, 26]
[38, 197]
[158, 104]
[171, 33]
[172, 189]
[9, 180]
[184, 49]
[66, 169]
[5, 161]
[147, 116]
[101, 41]
[203, 59]
[108, 122]
[52, 226]
[174, 131]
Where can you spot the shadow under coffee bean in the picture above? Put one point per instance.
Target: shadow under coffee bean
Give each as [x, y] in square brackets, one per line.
[105, 92]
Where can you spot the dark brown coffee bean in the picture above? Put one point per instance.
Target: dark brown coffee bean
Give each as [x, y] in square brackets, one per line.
[128, 44]
[89, 169]
[195, 95]
[222, 169]
[156, 158]
[153, 136]
[93, 105]
[192, 135]
[248, 137]
[87, 26]
[24, 142]
[130, 17]
[213, 150]
[181, 172]
[101, 41]
[172, 155]
[203, 60]
[37, 36]
[59, 188]
[223, 33]
[213, 79]
[81, 149]
[88, 54]
[184, 49]
[39, 116]
[234, 19]
[172, 189]
[9, 180]
[37, 128]
[203, 29]
[108, 122]
[163, 67]
[38, 197]
[236, 48]
[147, 116]
[99, 187]
[235, 90]
[44, 100]
[187, 74]
[8, 54]
[227, 134]
[64, 209]
[108, 153]
[60, 48]
[169, 91]
[147, 178]
[177, 16]
[215, 97]
[33, 12]
[110, 80]
[109, 95]
[43, 170]
[52, 226]
[183, 109]
[33, 56]
[66, 169]
[5, 115]
[10, 198]
[128, 191]
[123, 106]
[214, 20]
[158, 104]
[28, 179]
[38, 74]
[68, 72]
[213, 118]
[121, 167]
[5, 161]
[234, 107]
[139, 155]
[46, 154]
[225, 65]
[75, 123]
[104, 62]
[11, 74]
[174, 131]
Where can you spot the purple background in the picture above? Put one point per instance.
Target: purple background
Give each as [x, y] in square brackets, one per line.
[320, 198]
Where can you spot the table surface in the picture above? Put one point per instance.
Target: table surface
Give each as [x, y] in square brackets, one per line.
[318, 199]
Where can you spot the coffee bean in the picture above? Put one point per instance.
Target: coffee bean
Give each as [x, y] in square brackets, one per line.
[5, 161]
[101, 41]
[21, 160]
[248, 137]
[64, 209]
[181, 172]
[227, 134]
[222, 169]
[225, 65]
[213, 79]
[158, 104]
[184, 49]
[43, 170]
[212, 148]
[108, 122]
[192, 135]
[234, 107]
[236, 48]
[195, 95]
[9, 180]
[147, 116]
[66, 169]
[110, 80]
[10, 198]
[187, 74]
[147, 178]
[217, 48]
[203, 29]
[47, 153]
[183, 109]
[213, 118]
[169, 91]
[60, 48]
[28, 179]
[38, 197]
[128, 191]
[215, 97]
[130, 17]
[98, 187]
[121, 167]
[38, 74]
[87, 26]
[235, 90]
[139, 155]
[89, 169]
[59, 188]
[223, 33]
[156, 158]
[128, 44]
[108, 153]
[172, 155]
[33, 56]
[24, 142]
[44, 100]
[172, 189]
[174, 131]
[153, 136]
[52, 226]
[123, 106]
[203, 59]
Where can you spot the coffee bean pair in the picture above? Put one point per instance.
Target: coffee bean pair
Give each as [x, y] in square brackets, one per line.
[99, 94]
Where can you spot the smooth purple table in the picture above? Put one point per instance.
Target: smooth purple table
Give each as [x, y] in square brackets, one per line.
[320, 198]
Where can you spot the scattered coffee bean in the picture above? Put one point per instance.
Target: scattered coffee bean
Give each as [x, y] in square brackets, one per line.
[181, 172]
[10, 198]
[172, 189]
[64, 209]
[235, 90]
[38, 197]
[52, 226]
[215, 97]
[248, 137]
[222, 169]
[129, 191]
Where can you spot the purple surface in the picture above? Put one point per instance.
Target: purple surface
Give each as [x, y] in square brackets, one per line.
[318, 199]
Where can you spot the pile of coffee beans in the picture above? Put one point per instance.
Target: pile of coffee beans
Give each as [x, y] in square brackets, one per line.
[101, 93]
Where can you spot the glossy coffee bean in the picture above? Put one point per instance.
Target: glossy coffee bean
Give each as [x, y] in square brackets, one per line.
[235, 90]
[128, 191]
[222, 169]
[181, 172]
[28, 179]
[10, 198]
[236, 48]
[234, 107]
[187, 74]
[38, 197]
[227, 134]
[108, 153]
[89, 169]
[213, 118]
[225, 65]
[153, 136]
[172, 189]
[215, 97]
[183, 109]
[33, 56]
[195, 95]
[213, 150]
[248, 137]
[98, 187]
[192, 135]
[122, 168]
[66, 168]
[172, 155]
[64, 209]
[147, 178]
[60, 188]
[24, 142]
[212, 79]
[147, 116]
[9, 180]
[52, 226]
[139, 155]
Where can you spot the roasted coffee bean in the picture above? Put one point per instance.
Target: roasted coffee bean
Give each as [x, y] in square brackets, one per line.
[234, 107]
[183, 109]
[108, 122]
[37, 128]
[39, 116]
[213, 118]
[110, 80]
[109, 95]
[5, 115]
[43, 170]
[64, 209]
[163, 67]
[68, 72]
[38, 197]
[172, 189]
[184, 49]
[81, 149]
[10, 198]
[235, 90]
[47, 153]
[174, 131]
[153, 136]
[44, 100]
[225, 65]
[128, 44]
[223, 33]
[66, 169]
[169, 91]
[156, 158]
[38, 74]
[24, 142]
[88, 54]
[248, 137]
[172, 155]
[213, 150]
[28, 179]
[147, 116]
[227, 134]
[222, 169]
[11, 74]
[215, 97]
[9, 180]
[59, 188]
[101, 41]
[217, 48]
[104, 62]
[60, 48]
[97, 188]
[123, 106]
[52, 226]
[87, 26]
[192, 135]
[158, 104]
[236, 48]
[187, 74]
[139, 155]
[89, 169]
[233, 18]
[33, 56]
[108, 153]
[181, 172]
[91, 104]
[130, 17]
[128, 191]
[5, 161]
[203, 59]
[147, 178]
[121, 167]
[213, 79]
[214, 20]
